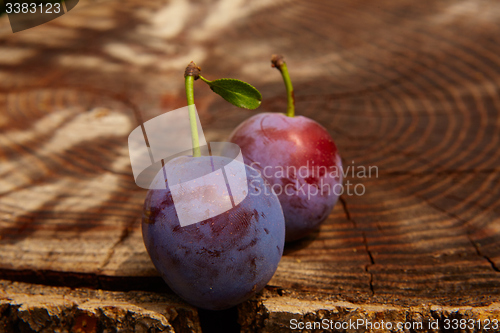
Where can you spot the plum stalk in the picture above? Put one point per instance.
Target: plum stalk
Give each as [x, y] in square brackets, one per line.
[278, 62]
[192, 73]
[236, 92]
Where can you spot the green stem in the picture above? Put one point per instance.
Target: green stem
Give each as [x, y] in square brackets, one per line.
[280, 64]
[204, 80]
[290, 110]
[189, 80]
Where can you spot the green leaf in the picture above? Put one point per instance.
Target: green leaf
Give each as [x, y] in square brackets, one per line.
[236, 92]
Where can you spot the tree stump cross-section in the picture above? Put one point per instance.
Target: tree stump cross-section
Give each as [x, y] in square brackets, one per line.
[408, 90]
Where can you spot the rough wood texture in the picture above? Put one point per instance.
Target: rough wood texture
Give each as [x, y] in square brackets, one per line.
[34, 308]
[280, 313]
[409, 87]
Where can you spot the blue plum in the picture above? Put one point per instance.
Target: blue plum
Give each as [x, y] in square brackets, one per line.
[221, 261]
[299, 160]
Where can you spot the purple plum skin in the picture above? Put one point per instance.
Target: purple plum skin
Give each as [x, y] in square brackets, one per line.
[271, 142]
[222, 261]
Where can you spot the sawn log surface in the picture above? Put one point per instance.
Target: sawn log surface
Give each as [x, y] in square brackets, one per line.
[408, 87]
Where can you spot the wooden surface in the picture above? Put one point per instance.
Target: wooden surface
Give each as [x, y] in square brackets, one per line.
[409, 87]
[35, 308]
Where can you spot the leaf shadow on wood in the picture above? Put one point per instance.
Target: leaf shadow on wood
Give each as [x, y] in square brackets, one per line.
[70, 172]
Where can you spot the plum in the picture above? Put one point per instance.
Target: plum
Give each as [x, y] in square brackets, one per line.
[223, 260]
[299, 160]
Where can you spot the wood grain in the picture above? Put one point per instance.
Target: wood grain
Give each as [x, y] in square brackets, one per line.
[411, 88]
[280, 313]
[34, 308]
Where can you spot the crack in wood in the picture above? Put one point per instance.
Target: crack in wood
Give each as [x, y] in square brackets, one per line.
[365, 242]
[464, 222]
[127, 228]
[346, 211]
[372, 262]
[85, 280]
[479, 253]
